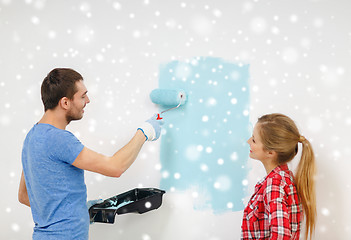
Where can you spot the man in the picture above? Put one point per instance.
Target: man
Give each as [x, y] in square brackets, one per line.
[54, 160]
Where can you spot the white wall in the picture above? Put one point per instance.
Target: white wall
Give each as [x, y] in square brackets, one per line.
[299, 56]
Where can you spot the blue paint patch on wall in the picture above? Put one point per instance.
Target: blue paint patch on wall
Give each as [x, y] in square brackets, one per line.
[204, 141]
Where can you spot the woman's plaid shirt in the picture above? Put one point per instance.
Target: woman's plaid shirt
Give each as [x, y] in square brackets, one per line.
[273, 211]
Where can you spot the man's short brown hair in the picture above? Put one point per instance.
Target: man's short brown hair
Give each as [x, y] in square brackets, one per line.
[59, 83]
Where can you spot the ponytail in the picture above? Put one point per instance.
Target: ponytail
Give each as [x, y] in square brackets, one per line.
[304, 179]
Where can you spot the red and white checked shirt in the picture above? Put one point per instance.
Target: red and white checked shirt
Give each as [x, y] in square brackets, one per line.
[274, 211]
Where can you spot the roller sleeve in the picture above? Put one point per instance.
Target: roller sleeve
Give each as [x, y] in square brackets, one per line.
[168, 97]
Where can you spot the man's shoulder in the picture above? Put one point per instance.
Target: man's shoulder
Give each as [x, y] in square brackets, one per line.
[48, 141]
[50, 130]
[48, 135]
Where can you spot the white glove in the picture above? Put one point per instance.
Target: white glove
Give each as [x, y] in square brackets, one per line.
[152, 128]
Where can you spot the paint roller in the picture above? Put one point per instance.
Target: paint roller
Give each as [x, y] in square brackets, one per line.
[172, 98]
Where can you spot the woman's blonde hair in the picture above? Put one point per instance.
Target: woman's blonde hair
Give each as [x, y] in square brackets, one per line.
[280, 134]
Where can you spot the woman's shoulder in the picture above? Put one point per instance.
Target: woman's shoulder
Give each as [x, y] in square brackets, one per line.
[279, 178]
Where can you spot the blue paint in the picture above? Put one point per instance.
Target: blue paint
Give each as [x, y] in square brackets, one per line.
[204, 144]
[114, 205]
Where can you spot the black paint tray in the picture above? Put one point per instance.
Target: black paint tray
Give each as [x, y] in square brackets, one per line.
[138, 200]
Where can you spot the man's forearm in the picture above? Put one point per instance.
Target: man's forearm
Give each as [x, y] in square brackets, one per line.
[125, 157]
[25, 201]
[22, 192]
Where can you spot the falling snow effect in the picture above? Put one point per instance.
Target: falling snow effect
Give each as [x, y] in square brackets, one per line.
[299, 54]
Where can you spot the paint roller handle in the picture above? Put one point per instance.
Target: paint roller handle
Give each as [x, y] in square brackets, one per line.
[159, 114]
[152, 128]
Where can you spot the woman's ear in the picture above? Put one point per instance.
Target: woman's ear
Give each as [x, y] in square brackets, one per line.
[272, 154]
[64, 103]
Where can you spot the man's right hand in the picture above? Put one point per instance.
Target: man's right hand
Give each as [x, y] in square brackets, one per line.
[152, 128]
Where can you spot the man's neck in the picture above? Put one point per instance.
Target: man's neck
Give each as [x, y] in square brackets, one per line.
[54, 118]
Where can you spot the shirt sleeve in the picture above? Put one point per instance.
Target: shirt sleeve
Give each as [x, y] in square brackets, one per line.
[279, 216]
[66, 147]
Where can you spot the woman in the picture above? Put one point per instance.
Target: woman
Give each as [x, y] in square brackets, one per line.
[274, 210]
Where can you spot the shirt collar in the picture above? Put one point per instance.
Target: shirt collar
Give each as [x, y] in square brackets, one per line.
[276, 170]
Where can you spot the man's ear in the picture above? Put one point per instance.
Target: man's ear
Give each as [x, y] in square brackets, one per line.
[65, 103]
